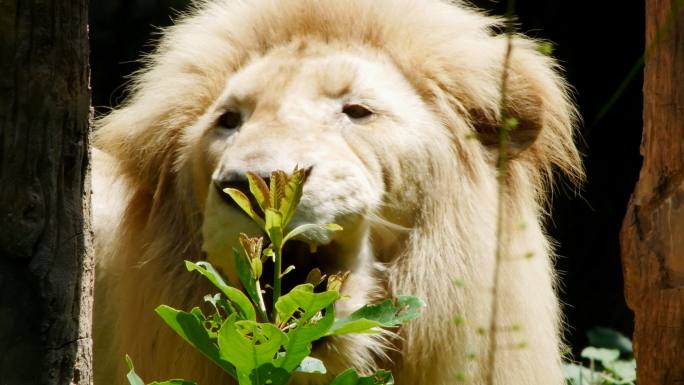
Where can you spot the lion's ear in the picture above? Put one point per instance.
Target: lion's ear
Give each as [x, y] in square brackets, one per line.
[520, 116]
[537, 99]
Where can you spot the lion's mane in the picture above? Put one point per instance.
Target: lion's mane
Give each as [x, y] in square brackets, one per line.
[146, 223]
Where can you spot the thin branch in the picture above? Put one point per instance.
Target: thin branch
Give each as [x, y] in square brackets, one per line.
[502, 168]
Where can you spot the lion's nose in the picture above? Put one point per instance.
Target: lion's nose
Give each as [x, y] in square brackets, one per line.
[239, 182]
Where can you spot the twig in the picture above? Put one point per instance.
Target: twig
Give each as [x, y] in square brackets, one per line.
[277, 271]
[502, 167]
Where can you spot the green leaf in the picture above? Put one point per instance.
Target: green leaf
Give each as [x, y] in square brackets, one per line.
[577, 374]
[350, 377]
[267, 374]
[244, 203]
[246, 276]
[251, 246]
[385, 314]
[623, 369]
[268, 253]
[606, 379]
[287, 270]
[258, 188]
[234, 295]
[308, 326]
[301, 230]
[274, 227]
[609, 339]
[278, 182]
[214, 321]
[311, 365]
[292, 194]
[302, 298]
[133, 378]
[358, 326]
[248, 345]
[315, 277]
[301, 334]
[335, 281]
[190, 326]
[605, 356]
[545, 48]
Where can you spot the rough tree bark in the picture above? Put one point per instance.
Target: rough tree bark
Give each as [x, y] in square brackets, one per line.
[653, 231]
[46, 269]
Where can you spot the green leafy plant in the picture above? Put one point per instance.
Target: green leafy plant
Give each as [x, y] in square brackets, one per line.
[609, 360]
[240, 336]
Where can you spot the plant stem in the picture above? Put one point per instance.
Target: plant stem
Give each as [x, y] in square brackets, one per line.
[502, 168]
[261, 306]
[277, 271]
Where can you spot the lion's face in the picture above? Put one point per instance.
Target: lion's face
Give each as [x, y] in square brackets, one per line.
[352, 119]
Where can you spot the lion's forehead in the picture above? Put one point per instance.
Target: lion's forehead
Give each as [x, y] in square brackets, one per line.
[323, 74]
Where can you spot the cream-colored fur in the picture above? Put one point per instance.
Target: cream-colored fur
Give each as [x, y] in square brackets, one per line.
[414, 185]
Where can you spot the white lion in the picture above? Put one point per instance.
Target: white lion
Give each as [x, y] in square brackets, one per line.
[394, 105]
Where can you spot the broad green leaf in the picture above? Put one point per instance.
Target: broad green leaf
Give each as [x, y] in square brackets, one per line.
[605, 356]
[350, 377]
[244, 203]
[132, 377]
[303, 299]
[624, 369]
[190, 326]
[173, 382]
[267, 374]
[246, 276]
[258, 188]
[274, 228]
[301, 230]
[234, 295]
[609, 339]
[292, 194]
[248, 345]
[301, 335]
[311, 365]
[385, 314]
[358, 326]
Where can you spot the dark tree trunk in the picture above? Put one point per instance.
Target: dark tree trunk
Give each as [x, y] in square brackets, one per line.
[46, 268]
[653, 230]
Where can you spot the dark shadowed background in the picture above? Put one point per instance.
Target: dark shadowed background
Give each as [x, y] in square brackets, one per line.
[597, 43]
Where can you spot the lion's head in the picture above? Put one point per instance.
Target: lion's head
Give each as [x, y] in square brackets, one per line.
[391, 106]
[349, 117]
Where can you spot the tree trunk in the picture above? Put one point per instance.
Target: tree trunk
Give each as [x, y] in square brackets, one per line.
[46, 268]
[653, 231]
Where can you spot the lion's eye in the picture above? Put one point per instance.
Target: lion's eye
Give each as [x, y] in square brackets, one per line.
[356, 111]
[230, 120]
